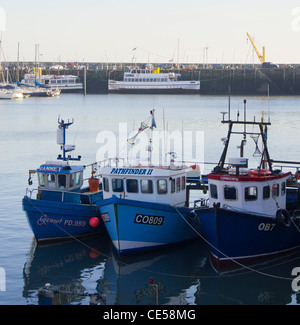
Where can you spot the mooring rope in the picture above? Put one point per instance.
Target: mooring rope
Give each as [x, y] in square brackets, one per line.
[233, 260]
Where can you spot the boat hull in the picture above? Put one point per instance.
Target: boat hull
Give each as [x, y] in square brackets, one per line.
[135, 226]
[241, 237]
[54, 221]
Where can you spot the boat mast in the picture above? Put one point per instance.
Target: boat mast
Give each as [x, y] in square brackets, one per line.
[265, 160]
[61, 139]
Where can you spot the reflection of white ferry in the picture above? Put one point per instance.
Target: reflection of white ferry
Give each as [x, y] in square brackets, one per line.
[150, 80]
[66, 83]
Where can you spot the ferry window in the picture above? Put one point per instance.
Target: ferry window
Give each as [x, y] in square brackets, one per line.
[132, 186]
[51, 180]
[183, 183]
[140, 79]
[41, 179]
[162, 186]
[105, 184]
[151, 79]
[213, 191]
[173, 185]
[117, 185]
[230, 193]
[275, 190]
[148, 79]
[146, 186]
[53, 81]
[178, 184]
[283, 187]
[61, 181]
[266, 192]
[251, 193]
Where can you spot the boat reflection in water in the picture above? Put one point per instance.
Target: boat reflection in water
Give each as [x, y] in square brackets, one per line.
[181, 275]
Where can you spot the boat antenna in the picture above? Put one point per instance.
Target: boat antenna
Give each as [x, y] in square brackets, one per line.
[61, 140]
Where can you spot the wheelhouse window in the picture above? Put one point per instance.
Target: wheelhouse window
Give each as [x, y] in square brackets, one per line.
[117, 185]
[275, 190]
[62, 181]
[213, 190]
[146, 186]
[162, 186]
[132, 186]
[230, 193]
[251, 193]
[178, 184]
[183, 183]
[173, 185]
[266, 192]
[105, 184]
[51, 180]
[41, 179]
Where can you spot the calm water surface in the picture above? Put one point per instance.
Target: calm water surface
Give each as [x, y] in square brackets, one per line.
[184, 274]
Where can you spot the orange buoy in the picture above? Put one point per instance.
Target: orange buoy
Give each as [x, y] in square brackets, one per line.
[259, 172]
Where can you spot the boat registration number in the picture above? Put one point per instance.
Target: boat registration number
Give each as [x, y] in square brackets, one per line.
[149, 220]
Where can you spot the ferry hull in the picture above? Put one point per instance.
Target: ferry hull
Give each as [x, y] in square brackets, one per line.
[135, 226]
[236, 237]
[54, 221]
[155, 91]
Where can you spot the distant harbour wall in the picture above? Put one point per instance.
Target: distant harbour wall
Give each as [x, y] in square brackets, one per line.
[281, 81]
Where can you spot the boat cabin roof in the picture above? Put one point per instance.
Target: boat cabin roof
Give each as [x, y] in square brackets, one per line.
[59, 168]
[160, 185]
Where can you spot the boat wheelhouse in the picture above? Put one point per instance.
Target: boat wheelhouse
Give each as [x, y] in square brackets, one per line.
[62, 206]
[255, 213]
[150, 80]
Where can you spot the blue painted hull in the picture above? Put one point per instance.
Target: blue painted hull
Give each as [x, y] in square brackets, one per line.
[50, 220]
[135, 226]
[246, 237]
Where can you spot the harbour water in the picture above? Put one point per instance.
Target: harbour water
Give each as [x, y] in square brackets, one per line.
[182, 275]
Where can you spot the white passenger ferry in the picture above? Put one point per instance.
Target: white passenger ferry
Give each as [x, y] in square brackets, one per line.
[66, 83]
[150, 80]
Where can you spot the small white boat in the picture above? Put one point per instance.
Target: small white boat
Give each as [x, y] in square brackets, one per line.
[5, 94]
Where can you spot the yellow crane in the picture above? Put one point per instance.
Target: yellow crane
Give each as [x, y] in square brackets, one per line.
[262, 58]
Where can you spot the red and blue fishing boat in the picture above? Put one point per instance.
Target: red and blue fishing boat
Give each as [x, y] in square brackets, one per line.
[62, 206]
[255, 212]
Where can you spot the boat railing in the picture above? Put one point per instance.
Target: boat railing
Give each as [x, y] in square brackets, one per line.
[203, 202]
[87, 195]
[110, 162]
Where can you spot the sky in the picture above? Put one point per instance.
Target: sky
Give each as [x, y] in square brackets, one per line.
[156, 31]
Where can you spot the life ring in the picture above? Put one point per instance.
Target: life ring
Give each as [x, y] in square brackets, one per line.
[283, 218]
[259, 172]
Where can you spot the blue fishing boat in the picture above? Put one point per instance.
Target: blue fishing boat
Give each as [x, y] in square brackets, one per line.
[255, 211]
[62, 207]
[145, 207]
